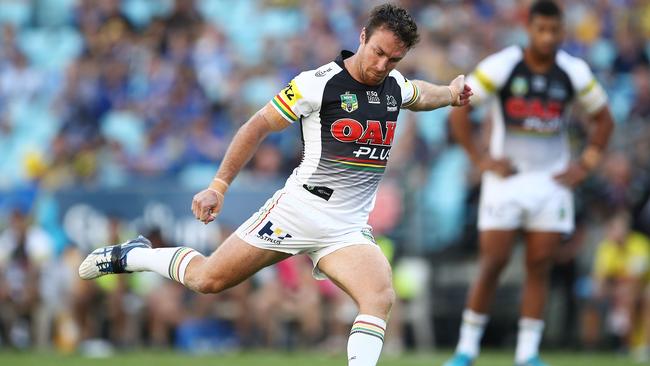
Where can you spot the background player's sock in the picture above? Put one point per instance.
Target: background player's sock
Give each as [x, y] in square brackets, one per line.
[471, 332]
[169, 262]
[528, 339]
[366, 340]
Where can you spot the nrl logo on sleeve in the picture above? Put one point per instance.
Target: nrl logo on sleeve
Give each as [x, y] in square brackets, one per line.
[349, 102]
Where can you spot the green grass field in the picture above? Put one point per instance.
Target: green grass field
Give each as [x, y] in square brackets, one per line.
[284, 359]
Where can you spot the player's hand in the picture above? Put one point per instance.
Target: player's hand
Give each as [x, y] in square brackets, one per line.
[206, 205]
[573, 175]
[502, 167]
[460, 92]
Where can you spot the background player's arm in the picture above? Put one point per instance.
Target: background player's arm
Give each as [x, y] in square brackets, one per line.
[435, 96]
[603, 124]
[207, 203]
[462, 131]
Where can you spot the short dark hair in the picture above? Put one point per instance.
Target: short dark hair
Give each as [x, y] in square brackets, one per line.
[396, 20]
[545, 8]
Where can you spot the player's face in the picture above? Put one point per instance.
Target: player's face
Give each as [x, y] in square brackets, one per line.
[379, 54]
[545, 34]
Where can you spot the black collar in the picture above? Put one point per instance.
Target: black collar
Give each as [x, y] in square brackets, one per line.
[342, 56]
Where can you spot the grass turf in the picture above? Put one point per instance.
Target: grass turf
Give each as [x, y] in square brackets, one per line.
[290, 359]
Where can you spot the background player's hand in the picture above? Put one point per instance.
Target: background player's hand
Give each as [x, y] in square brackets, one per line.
[206, 205]
[573, 175]
[502, 167]
[460, 92]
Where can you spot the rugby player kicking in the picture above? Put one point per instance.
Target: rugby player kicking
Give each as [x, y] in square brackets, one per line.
[347, 111]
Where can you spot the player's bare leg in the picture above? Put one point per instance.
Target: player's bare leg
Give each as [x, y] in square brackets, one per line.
[495, 250]
[233, 262]
[364, 273]
[541, 248]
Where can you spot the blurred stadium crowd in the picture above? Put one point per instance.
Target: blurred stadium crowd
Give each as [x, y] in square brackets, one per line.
[111, 94]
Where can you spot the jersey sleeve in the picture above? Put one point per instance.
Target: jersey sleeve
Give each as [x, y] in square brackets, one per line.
[491, 74]
[590, 95]
[292, 102]
[410, 92]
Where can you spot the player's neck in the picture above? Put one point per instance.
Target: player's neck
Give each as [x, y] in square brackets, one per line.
[537, 62]
[352, 66]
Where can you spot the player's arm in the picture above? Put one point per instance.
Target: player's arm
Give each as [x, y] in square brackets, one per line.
[461, 129]
[207, 203]
[433, 96]
[592, 99]
[602, 126]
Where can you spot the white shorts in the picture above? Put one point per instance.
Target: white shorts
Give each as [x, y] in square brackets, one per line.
[289, 224]
[530, 201]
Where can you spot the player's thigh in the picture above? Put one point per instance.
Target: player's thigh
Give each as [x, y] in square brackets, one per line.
[542, 247]
[363, 272]
[235, 260]
[496, 245]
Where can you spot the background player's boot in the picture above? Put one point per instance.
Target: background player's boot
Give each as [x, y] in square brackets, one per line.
[533, 361]
[459, 359]
[110, 259]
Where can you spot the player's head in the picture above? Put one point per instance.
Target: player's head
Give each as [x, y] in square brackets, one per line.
[389, 33]
[545, 29]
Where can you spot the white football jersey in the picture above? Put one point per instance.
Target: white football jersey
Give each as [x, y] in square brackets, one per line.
[529, 110]
[347, 131]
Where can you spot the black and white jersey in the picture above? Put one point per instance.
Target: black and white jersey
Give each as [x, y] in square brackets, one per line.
[347, 131]
[529, 110]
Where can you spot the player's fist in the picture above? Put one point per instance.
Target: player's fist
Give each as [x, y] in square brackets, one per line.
[573, 175]
[502, 167]
[460, 92]
[207, 204]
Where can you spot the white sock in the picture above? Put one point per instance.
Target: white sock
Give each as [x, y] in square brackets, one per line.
[528, 339]
[471, 332]
[169, 262]
[366, 340]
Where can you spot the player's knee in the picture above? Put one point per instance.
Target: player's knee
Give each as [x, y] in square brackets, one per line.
[380, 301]
[205, 283]
[539, 265]
[209, 285]
[493, 265]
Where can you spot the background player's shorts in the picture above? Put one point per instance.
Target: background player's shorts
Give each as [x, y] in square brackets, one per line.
[289, 224]
[531, 201]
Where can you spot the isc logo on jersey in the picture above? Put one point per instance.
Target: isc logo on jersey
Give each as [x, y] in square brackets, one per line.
[349, 130]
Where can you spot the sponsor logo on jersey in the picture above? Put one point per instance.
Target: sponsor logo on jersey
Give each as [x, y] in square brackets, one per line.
[519, 86]
[286, 99]
[521, 108]
[539, 83]
[291, 94]
[534, 114]
[349, 102]
[321, 73]
[373, 97]
[391, 103]
[271, 234]
[351, 130]
[375, 133]
[557, 91]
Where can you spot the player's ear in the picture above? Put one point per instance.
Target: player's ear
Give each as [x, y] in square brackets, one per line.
[362, 36]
